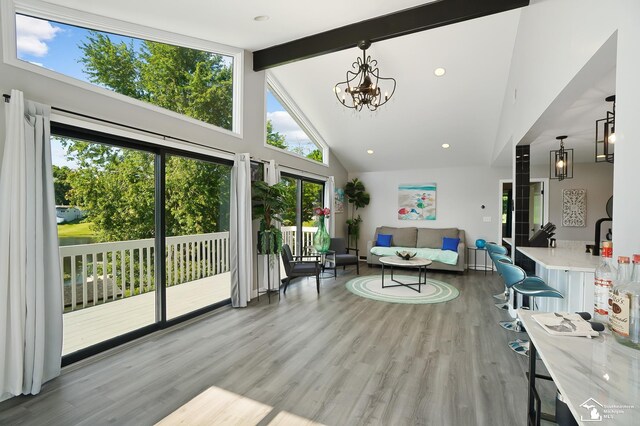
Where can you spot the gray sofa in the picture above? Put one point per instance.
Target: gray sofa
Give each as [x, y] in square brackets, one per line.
[421, 237]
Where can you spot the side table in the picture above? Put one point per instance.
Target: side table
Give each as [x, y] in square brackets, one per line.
[486, 267]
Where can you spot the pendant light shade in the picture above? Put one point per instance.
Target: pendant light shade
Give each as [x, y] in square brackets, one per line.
[561, 162]
[606, 134]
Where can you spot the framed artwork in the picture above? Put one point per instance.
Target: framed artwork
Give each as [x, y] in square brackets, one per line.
[417, 202]
[574, 207]
[338, 205]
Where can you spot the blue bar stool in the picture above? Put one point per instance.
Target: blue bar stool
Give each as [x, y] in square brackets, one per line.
[493, 248]
[498, 261]
[527, 286]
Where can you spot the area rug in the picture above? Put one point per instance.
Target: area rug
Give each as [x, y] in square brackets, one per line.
[433, 291]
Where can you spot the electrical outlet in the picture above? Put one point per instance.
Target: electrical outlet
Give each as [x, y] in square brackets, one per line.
[486, 219]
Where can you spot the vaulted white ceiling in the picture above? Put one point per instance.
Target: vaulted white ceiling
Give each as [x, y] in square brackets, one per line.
[231, 21]
[462, 108]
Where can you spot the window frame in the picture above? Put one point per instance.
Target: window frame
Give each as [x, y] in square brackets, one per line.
[94, 22]
[272, 84]
[107, 135]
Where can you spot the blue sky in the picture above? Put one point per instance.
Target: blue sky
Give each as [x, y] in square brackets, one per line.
[55, 46]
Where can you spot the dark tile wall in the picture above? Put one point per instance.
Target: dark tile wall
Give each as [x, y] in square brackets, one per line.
[521, 191]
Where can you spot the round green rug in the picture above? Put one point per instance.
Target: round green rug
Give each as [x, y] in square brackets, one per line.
[433, 291]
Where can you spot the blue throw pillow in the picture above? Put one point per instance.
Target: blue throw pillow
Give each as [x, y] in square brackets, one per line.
[450, 243]
[383, 240]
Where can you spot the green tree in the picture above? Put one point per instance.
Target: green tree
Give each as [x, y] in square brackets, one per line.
[316, 155]
[115, 187]
[191, 82]
[275, 138]
[197, 196]
[61, 185]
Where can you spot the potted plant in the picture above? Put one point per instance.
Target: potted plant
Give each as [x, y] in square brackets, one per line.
[358, 198]
[268, 204]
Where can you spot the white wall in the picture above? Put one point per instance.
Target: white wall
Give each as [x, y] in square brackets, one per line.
[597, 179]
[461, 191]
[556, 38]
[626, 196]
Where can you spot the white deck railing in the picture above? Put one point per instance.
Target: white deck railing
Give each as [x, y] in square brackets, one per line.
[97, 273]
[289, 237]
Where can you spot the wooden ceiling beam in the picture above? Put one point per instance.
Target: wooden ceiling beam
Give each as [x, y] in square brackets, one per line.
[419, 18]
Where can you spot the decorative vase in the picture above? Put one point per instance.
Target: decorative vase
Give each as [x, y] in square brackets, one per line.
[480, 243]
[321, 238]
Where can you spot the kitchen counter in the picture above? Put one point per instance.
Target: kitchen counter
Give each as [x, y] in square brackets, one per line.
[565, 258]
[597, 372]
[569, 270]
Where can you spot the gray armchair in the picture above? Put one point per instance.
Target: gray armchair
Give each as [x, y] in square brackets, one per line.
[297, 267]
[339, 255]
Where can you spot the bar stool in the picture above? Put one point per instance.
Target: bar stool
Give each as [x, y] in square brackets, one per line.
[527, 286]
[501, 250]
[498, 260]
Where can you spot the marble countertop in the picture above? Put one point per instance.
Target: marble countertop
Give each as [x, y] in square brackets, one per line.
[565, 258]
[599, 368]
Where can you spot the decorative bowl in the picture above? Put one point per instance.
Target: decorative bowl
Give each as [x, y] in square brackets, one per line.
[480, 243]
[405, 255]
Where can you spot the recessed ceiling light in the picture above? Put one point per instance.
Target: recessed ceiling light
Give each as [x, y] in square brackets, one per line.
[261, 18]
[445, 145]
[439, 72]
[369, 151]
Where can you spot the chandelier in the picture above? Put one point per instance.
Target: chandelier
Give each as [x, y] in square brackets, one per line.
[362, 86]
[604, 146]
[561, 162]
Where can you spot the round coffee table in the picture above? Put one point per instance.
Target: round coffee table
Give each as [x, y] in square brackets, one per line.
[416, 262]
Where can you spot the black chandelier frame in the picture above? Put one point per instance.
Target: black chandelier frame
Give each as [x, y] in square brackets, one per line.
[362, 84]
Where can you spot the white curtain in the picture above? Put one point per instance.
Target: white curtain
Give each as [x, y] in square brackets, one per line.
[240, 230]
[271, 274]
[30, 287]
[329, 201]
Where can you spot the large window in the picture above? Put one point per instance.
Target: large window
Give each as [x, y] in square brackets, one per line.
[298, 222]
[191, 82]
[112, 223]
[286, 129]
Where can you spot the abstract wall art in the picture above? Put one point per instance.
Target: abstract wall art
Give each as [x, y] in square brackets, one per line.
[417, 202]
[339, 201]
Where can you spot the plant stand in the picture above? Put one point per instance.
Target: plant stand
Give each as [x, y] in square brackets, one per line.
[269, 290]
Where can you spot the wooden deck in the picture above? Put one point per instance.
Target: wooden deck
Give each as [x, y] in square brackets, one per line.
[92, 325]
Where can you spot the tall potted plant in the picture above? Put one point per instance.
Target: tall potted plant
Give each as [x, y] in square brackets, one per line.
[268, 204]
[358, 198]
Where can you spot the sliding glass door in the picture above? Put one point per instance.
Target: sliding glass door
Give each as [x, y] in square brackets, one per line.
[119, 203]
[105, 211]
[298, 225]
[197, 234]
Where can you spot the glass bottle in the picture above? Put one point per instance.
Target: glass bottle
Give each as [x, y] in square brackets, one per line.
[603, 284]
[625, 306]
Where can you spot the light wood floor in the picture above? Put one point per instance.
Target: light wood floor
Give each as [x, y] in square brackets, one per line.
[333, 359]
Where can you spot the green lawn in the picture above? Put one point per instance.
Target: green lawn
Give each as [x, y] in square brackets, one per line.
[78, 230]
